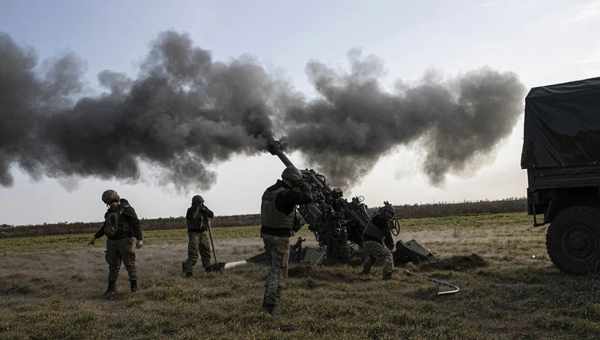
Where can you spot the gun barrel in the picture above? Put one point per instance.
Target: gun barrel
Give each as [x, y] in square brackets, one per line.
[285, 160]
[275, 148]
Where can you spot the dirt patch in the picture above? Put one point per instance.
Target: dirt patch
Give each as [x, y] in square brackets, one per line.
[457, 263]
[320, 274]
[21, 284]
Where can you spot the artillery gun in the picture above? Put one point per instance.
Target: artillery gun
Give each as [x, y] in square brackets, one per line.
[337, 223]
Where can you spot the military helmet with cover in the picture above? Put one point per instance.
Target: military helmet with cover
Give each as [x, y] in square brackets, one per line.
[197, 199]
[291, 175]
[110, 196]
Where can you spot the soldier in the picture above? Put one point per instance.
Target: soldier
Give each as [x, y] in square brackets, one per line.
[374, 236]
[123, 234]
[198, 218]
[278, 222]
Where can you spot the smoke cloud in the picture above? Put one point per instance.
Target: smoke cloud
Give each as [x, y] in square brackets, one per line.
[185, 112]
[355, 121]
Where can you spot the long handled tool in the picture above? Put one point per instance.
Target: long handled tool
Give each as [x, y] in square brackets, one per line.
[220, 266]
[212, 245]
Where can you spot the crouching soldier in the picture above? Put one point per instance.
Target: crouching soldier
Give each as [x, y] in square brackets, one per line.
[198, 218]
[123, 234]
[375, 235]
[277, 218]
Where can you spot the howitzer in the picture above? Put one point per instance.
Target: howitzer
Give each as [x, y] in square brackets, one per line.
[338, 225]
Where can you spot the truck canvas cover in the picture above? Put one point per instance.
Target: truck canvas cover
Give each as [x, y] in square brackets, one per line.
[562, 125]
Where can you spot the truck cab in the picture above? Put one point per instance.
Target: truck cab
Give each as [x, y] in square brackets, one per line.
[561, 153]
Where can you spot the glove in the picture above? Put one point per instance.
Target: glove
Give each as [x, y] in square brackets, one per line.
[139, 244]
[92, 241]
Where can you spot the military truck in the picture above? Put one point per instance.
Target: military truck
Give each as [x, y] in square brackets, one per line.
[561, 152]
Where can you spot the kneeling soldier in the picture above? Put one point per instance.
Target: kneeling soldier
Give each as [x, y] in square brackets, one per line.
[198, 218]
[375, 235]
[123, 232]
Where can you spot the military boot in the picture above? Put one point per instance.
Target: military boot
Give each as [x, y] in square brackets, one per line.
[272, 309]
[185, 271]
[133, 286]
[111, 290]
[367, 264]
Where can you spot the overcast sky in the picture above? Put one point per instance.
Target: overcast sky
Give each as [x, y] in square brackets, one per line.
[543, 42]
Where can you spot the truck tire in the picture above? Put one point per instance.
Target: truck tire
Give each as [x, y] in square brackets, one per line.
[573, 240]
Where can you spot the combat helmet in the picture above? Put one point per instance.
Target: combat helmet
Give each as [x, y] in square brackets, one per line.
[197, 199]
[291, 175]
[110, 196]
[387, 210]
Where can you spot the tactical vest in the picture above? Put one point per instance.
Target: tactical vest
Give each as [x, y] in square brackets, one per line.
[115, 224]
[373, 232]
[270, 216]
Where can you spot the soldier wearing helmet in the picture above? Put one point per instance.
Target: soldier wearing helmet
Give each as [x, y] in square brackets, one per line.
[375, 236]
[279, 221]
[198, 218]
[123, 234]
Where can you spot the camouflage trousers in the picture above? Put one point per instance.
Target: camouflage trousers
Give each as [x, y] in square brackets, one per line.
[377, 253]
[197, 244]
[277, 251]
[118, 251]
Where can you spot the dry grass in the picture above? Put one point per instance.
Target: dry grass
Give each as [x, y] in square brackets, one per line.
[51, 288]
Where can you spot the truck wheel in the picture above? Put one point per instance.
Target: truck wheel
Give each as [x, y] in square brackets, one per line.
[573, 240]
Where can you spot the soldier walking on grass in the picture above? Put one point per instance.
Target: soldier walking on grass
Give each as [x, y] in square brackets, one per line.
[198, 218]
[278, 219]
[375, 235]
[123, 235]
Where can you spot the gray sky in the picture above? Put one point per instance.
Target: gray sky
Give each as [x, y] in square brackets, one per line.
[542, 41]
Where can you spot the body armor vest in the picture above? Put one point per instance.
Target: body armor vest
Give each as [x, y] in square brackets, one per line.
[115, 224]
[270, 216]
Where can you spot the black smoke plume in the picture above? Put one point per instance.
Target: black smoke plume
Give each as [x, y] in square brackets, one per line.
[185, 111]
[355, 121]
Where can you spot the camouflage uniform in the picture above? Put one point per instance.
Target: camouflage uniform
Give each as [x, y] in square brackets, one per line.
[277, 251]
[198, 218]
[278, 215]
[122, 229]
[285, 262]
[374, 252]
[117, 251]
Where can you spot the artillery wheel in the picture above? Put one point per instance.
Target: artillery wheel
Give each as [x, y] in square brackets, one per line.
[573, 240]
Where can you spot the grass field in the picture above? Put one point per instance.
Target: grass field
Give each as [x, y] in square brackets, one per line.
[50, 288]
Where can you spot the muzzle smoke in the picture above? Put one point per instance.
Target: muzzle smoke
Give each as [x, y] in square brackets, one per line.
[186, 111]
